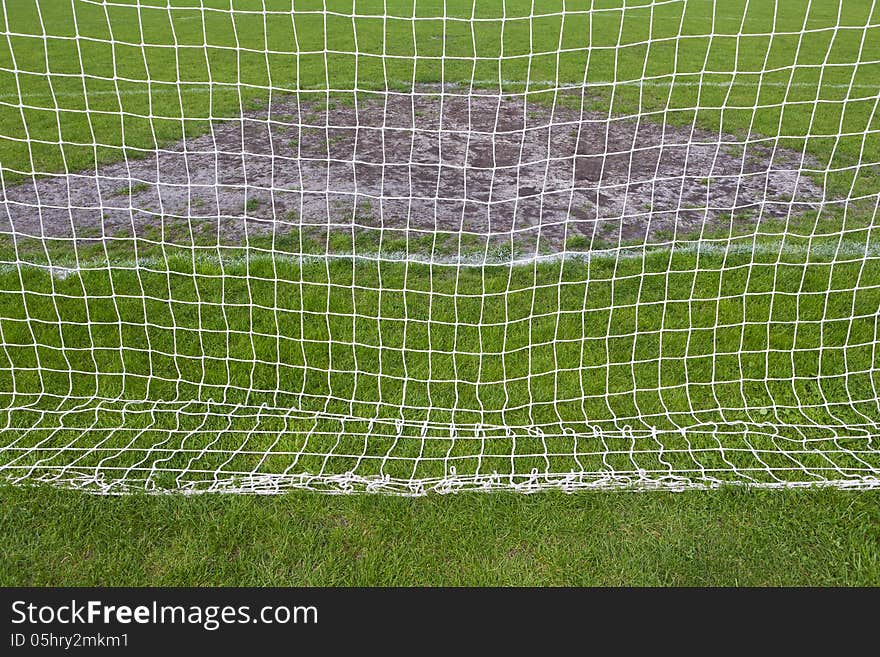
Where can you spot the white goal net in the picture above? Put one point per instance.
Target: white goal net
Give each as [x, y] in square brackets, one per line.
[407, 246]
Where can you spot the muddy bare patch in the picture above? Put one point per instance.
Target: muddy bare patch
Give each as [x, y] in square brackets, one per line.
[493, 168]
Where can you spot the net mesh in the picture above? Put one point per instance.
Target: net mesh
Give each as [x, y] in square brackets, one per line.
[436, 246]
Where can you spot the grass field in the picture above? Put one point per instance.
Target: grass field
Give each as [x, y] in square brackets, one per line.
[742, 353]
[138, 77]
[729, 537]
[687, 352]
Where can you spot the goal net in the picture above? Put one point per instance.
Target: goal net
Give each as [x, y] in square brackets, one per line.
[407, 246]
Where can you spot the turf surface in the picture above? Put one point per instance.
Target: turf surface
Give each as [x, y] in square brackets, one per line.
[730, 537]
[733, 341]
[138, 77]
[135, 79]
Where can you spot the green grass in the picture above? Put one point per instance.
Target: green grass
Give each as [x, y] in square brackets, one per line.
[132, 189]
[772, 340]
[241, 329]
[776, 332]
[95, 82]
[731, 537]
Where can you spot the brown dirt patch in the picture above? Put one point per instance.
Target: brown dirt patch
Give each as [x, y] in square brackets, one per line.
[505, 171]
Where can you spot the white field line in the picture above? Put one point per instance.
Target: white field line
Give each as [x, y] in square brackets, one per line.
[199, 87]
[847, 249]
